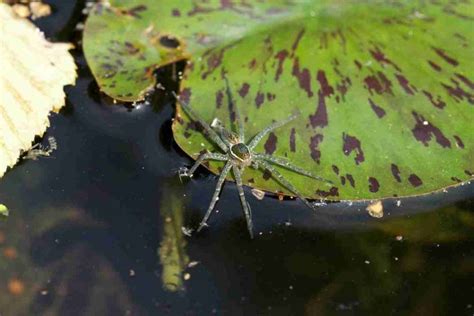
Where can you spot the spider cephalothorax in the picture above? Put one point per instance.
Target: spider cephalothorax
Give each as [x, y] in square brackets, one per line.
[241, 152]
[237, 155]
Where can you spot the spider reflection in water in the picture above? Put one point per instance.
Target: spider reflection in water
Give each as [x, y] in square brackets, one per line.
[238, 155]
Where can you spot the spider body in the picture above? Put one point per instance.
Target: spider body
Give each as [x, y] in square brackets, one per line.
[241, 153]
[237, 155]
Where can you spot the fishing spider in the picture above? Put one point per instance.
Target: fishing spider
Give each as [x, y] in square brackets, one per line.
[238, 155]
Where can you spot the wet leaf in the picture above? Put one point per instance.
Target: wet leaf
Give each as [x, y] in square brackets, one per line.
[34, 72]
[385, 88]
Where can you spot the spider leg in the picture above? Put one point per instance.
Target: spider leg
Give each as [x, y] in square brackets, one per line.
[284, 182]
[233, 106]
[257, 138]
[245, 205]
[215, 197]
[286, 164]
[199, 161]
[208, 130]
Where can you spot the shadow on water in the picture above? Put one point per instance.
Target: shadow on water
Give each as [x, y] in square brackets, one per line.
[96, 230]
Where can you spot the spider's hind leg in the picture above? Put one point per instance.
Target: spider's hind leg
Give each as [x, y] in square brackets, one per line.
[288, 165]
[279, 177]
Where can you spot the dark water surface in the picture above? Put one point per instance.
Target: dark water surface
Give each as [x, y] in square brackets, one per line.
[96, 230]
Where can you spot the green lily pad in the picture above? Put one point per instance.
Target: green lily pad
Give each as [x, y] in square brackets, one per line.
[385, 88]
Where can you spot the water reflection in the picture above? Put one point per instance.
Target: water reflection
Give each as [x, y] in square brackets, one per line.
[172, 251]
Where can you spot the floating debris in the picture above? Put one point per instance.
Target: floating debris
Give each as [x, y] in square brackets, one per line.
[10, 253]
[39, 9]
[192, 264]
[216, 123]
[375, 209]
[21, 10]
[281, 196]
[16, 287]
[320, 203]
[3, 210]
[36, 9]
[39, 150]
[259, 194]
[187, 231]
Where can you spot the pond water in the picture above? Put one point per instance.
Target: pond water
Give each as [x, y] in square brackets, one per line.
[97, 230]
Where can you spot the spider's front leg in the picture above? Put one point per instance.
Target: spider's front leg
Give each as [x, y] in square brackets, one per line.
[185, 172]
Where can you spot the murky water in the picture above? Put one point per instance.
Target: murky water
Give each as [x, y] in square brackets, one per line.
[97, 230]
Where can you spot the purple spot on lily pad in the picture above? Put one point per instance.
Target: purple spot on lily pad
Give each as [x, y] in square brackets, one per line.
[396, 172]
[380, 112]
[280, 56]
[351, 180]
[270, 144]
[424, 131]
[351, 143]
[259, 99]
[219, 98]
[445, 56]
[267, 174]
[293, 140]
[334, 191]
[415, 180]
[175, 12]
[244, 89]
[436, 102]
[459, 141]
[303, 76]
[373, 185]
[314, 147]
